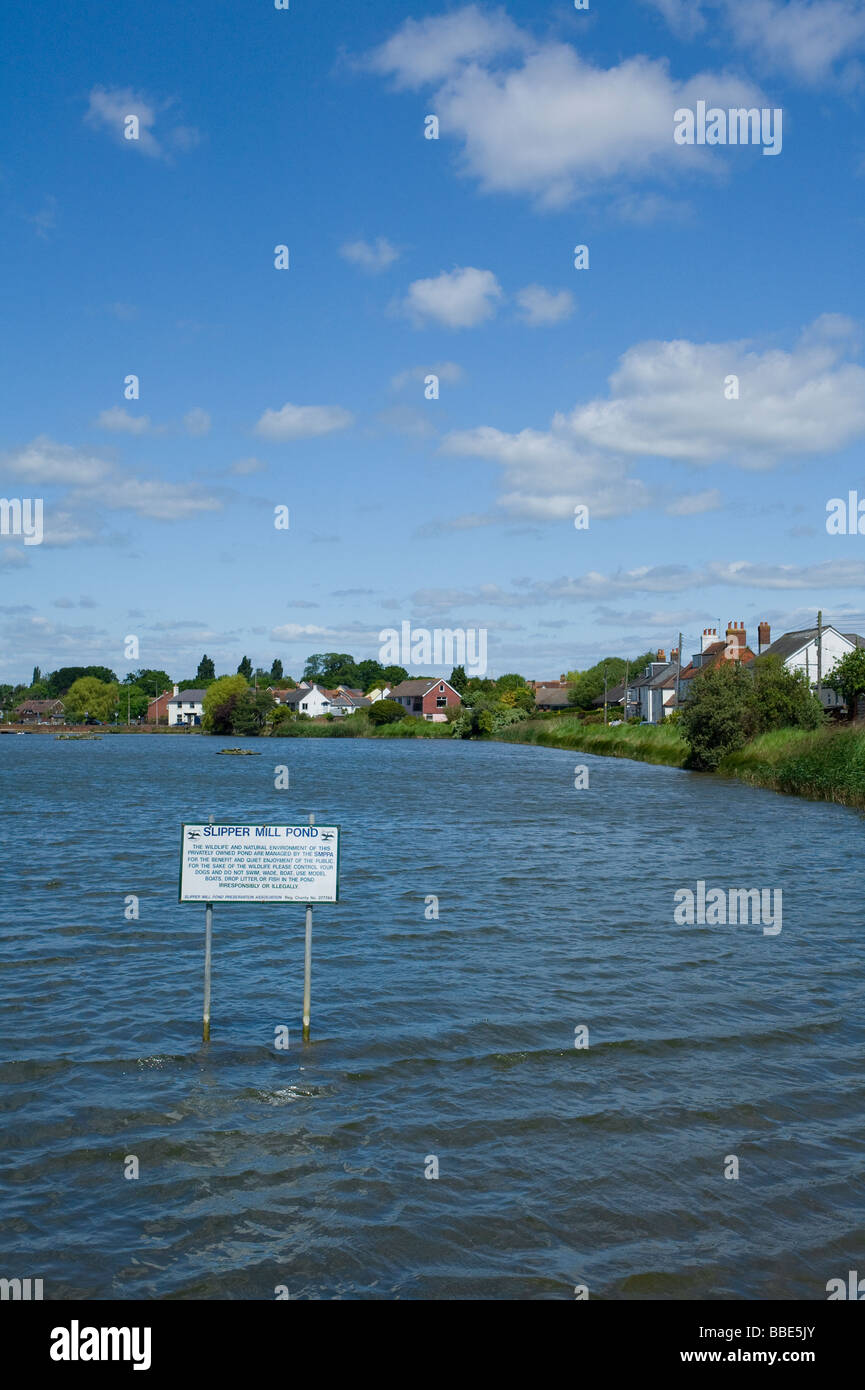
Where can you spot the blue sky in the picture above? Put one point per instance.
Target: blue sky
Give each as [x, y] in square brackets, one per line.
[304, 387]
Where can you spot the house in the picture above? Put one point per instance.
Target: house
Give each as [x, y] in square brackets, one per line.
[809, 649]
[308, 699]
[157, 710]
[555, 696]
[345, 700]
[560, 684]
[428, 698]
[186, 707]
[714, 652]
[40, 712]
[378, 693]
[279, 696]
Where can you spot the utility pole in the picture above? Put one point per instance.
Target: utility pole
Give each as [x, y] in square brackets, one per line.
[679, 671]
[605, 692]
[627, 678]
[820, 656]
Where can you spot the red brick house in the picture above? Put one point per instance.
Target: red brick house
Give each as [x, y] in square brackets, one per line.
[427, 698]
[157, 710]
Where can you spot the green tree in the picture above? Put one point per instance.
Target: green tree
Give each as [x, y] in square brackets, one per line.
[718, 714]
[782, 698]
[584, 687]
[206, 672]
[385, 712]
[37, 676]
[245, 668]
[220, 701]
[276, 670]
[250, 712]
[133, 701]
[91, 698]
[458, 679]
[392, 675]
[58, 682]
[847, 677]
[154, 681]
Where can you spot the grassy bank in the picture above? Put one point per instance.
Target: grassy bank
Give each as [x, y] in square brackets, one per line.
[826, 765]
[647, 743]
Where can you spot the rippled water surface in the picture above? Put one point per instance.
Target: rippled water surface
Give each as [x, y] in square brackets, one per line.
[455, 1038]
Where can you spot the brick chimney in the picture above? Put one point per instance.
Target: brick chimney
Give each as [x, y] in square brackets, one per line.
[710, 635]
[177, 690]
[674, 654]
[661, 655]
[764, 637]
[736, 635]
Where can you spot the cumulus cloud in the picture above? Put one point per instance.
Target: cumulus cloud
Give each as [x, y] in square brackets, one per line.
[808, 40]
[110, 107]
[95, 483]
[370, 256]
[537, 118]
[450, 372]
[459, 298]
[120, 421]
[539, 306]
[668, 400]
[302, 421]
[196, 421]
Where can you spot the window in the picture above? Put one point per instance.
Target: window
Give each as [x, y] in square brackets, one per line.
[441, 702]
[441, 687]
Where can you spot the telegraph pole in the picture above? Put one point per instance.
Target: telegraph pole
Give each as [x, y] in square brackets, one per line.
[605, 692]
[820, 656]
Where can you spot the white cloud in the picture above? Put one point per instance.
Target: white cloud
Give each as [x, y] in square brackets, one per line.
[428, 50]
[152, 498]
[243, 467]
[370, 256]
[302, 421]
[43, 461]
[546, 476]
[449, 372]
[546, 122]
[667, 399]
[119, 421]
[693, 503]
[196, 421]
[109, 108]
[540, 306]
[805, 39]
[459, 298]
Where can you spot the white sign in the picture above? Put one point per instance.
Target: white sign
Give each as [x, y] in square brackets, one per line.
[259, 864]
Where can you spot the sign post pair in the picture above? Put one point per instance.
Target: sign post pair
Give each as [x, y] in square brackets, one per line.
[231, 863]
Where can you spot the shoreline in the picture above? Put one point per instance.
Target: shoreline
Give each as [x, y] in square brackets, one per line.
[827, 764]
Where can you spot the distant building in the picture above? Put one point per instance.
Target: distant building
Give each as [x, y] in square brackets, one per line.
[41, 712]
[379, 693]
[157, 709]
[307, 699]
[556, 696]
[186, 707]
[805, 648]
[427, 698]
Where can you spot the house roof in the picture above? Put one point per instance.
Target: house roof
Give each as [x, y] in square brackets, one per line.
[39, 706]
[552, 695]
[188, 697]
[854, 638]
[420, 687]
[792, 642]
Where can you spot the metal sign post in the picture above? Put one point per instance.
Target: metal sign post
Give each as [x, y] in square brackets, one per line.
[208, 938]
[307, 964]
[231, 863]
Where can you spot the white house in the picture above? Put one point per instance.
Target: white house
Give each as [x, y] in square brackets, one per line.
[186, 707]
[308, 699]
[809, 647]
